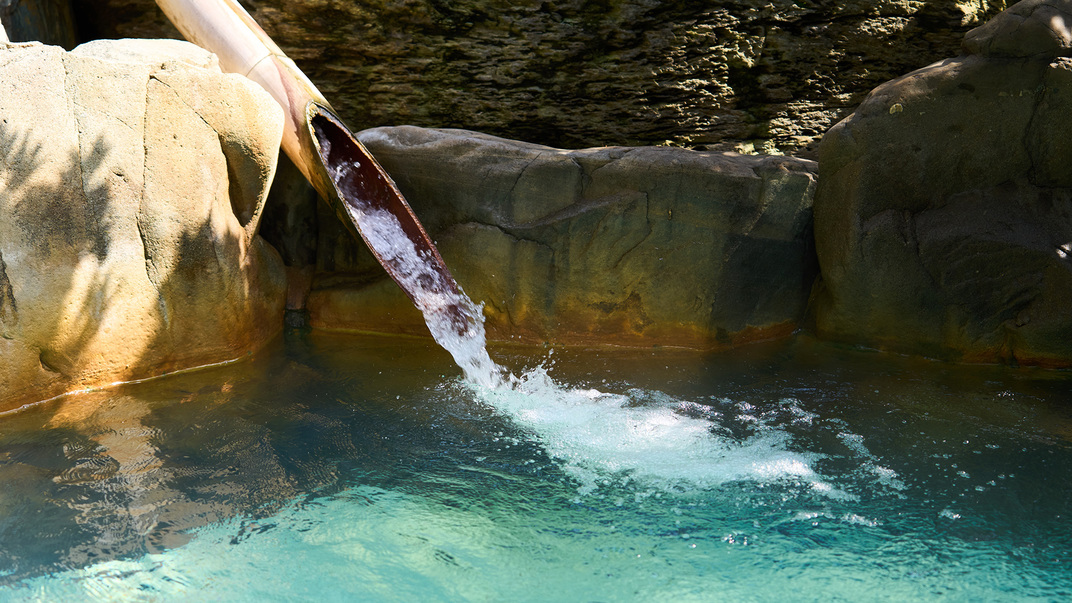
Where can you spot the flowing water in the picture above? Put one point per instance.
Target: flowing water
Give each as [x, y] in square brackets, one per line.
[454, 321]
[335, 467]
[405, 251]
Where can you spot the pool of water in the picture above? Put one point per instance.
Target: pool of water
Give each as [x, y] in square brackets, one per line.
[345, 467]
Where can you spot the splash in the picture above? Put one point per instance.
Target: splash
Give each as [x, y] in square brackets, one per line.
[649, 442]
[602, 439]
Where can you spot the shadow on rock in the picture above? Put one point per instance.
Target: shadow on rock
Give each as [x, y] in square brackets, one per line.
[123, 252]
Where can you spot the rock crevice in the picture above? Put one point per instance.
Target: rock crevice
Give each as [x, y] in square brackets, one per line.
[9, 308]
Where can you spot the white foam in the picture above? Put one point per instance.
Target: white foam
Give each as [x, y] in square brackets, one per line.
[604, 439]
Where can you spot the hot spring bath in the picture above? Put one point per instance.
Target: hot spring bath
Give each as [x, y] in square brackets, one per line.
[362, 468]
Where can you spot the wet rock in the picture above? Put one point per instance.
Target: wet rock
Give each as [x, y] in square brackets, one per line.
[634, 246]
[718, 74]
[133, 176]
[943, 219]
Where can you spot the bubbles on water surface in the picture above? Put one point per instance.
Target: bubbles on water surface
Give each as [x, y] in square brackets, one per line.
[641, 439]
[648, 442]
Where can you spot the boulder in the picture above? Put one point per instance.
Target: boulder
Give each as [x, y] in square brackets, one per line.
[1033, 28]
[132, 176]
[714, 75]
[943, 219]
[631, 246]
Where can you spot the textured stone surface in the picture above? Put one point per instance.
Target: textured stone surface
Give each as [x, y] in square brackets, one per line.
[943, 218]
[133, 176]
[636, 246]
[1028, 29]
[716, 74]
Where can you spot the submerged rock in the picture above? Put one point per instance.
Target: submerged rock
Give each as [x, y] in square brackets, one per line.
[635, 246]
[943, 218]
[132, 179]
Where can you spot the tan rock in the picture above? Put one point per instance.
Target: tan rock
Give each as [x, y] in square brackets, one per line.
[132, 179]
[1033, 28]
[620, 245]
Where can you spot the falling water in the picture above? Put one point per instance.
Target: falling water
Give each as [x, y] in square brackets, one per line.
[456, 323]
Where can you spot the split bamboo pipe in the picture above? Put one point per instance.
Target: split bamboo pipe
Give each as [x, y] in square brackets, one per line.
[226, 29]
[314, 136]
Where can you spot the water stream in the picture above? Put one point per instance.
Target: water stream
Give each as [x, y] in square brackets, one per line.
[378, 210]
[600, 438]
[454, 321]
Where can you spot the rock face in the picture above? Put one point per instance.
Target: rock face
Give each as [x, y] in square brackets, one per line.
[132, 178]
[715, 74]
[46, 21]
[943, 219]
[634, 246]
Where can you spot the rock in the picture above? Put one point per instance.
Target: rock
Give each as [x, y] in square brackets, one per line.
[289, 224]
[633, 246]
[47, 21]
[1034, 28]
[943, 218]
[133, 176]
[715, 75]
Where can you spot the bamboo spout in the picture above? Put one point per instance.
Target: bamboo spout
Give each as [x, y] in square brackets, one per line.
[226, 29]
[324, 149]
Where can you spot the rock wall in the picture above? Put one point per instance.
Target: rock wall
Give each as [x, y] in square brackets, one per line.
[943, 218]
[132, 177]
[632, 246]
[719, 75]
[46, 21]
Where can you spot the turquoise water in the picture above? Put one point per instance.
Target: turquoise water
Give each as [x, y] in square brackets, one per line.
[334, 467]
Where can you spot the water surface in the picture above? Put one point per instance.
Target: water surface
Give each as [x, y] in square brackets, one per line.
[363, 468]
